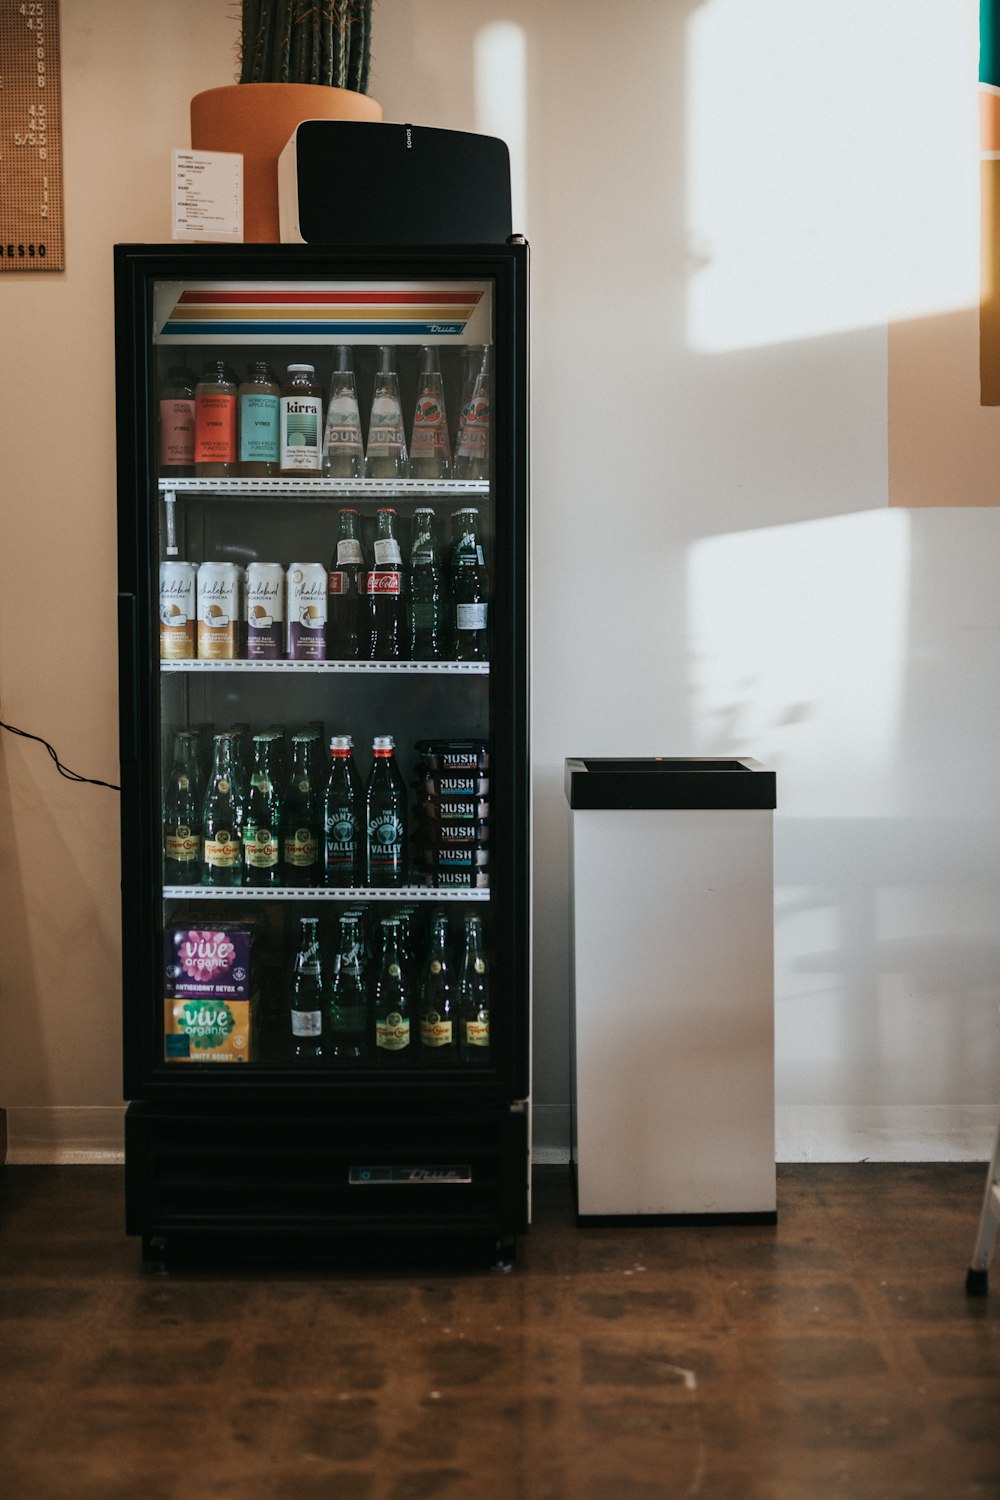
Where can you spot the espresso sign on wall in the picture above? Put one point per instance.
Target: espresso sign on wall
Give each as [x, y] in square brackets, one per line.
[31, 192]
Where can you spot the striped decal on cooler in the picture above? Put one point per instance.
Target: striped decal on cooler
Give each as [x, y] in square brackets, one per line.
[291, 313]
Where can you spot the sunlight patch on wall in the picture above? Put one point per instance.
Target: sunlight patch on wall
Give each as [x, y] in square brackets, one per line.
[799, 652]
[501, 102]
[817, 200]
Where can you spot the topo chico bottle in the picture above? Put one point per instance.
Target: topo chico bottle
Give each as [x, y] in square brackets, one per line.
[439, 1039]
[261, 825]
[222, 817]
[473, 995]
[301, 820]
[392, 1001]
[182, 815]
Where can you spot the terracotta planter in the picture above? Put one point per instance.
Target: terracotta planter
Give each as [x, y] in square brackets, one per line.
[256, 120]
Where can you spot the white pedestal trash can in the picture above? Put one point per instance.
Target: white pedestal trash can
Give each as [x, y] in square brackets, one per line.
[672, 977]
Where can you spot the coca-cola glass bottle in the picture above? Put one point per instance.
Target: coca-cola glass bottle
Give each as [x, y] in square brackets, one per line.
[385, 455]
[343, 451]
[386, 618]
[430, 446]
[469, 588]
[346, 632]
[385, 818]
[429, 597]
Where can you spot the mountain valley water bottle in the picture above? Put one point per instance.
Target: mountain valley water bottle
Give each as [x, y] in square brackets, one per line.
[385, 455]
[385, 818]
[343, 450]
[343, 817]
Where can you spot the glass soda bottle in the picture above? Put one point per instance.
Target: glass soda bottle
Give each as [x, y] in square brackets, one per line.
[472, 448]
[385, 455]
[343, 817]
[439, 1031]
[430, 446]
[346, 627]
[347, 1008]
[392, 1000]
[386, 620]
[301, 820]
[385, 818]
[261, 825]
[300, 410]
[343, 450]
[176, 411]
[259, 422]
[469, 588]
[215, 398]
[182, 815]
[221, 817]
[429, 597]
[473, 995]
[307, 995]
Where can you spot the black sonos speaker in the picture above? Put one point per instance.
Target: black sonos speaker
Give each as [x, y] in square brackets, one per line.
[343, 182]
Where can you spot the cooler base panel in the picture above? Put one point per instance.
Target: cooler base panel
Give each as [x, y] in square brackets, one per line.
[284, 1186]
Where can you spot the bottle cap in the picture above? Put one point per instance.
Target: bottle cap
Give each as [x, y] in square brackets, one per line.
[310, 368]
[341, 742]
[383, 742]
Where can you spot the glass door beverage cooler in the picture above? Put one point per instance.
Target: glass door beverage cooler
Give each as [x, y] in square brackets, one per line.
[322, 462]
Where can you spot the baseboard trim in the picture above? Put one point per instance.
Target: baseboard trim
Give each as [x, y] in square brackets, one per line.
[94, 1135]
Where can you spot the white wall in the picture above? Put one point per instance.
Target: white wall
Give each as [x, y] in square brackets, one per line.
[728, 201]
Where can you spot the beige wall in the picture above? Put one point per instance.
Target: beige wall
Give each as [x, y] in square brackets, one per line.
[719, 253]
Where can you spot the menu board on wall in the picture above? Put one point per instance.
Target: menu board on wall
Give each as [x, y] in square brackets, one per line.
[31, 192]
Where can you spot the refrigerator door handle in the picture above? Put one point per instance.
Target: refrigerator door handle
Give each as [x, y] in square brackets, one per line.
[128, 681]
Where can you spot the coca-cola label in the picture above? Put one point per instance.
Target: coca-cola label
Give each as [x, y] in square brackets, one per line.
[337, 583]
[385, 581]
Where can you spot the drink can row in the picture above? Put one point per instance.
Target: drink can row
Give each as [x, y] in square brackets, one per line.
[202, 610]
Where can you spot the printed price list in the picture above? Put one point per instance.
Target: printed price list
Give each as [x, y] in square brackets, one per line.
[31, 197]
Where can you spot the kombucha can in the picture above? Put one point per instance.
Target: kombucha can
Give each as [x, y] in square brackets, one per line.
[177, 610]
[307, 588]
[219, 589]
[265, 611]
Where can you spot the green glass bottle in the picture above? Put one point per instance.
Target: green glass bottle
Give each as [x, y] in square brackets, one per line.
[439, 1030]
[392, 1001]
[182, 815]
[307, 996]
[222, 818]
[473, 996]
[347, 1008]
[301, 820]
[261, 826]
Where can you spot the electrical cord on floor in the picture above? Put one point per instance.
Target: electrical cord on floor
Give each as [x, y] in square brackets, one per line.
[63, 770]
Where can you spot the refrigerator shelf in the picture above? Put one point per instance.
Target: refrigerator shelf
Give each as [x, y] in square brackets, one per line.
[448, 668]
[326, 489]
[323, 893]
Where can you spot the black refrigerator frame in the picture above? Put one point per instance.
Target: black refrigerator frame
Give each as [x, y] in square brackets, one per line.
[279, 1160]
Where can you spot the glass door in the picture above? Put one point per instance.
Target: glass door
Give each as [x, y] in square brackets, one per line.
[327, 677]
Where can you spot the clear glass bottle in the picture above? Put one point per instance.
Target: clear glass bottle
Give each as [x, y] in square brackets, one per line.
[347, 632]
[387, 860]
[472, 448]
[429, 598]
[343, 818]
[392, 1001]
[348, 1008]
[306, 1017]
[301, 820]
[469, 588]
[430, 445]
[386, 602]
[439, 1029]
[473, 996]
[182, 815]
[385, 455]
[343, 449]
[262, 824]
[221, 817]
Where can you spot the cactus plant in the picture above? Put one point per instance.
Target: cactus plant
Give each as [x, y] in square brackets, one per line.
[307, 41]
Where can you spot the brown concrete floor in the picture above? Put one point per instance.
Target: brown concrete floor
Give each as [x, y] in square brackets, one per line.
[833, 1356]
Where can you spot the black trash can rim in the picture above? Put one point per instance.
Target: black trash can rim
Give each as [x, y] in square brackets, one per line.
[668, 782]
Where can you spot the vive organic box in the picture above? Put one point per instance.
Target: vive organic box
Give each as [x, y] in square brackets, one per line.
[209, 993]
